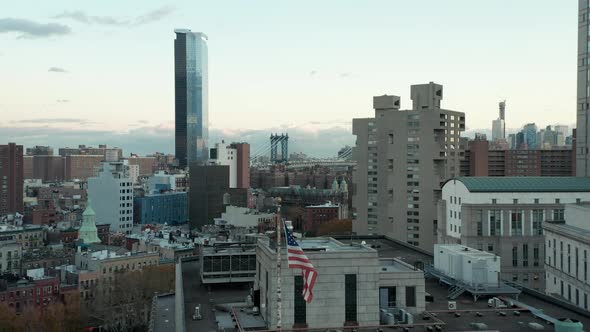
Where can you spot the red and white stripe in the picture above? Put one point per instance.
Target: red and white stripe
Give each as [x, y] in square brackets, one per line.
[298, 260]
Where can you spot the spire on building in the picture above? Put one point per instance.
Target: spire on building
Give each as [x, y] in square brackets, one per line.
[88, 232]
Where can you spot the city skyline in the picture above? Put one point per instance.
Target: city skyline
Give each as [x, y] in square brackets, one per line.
[95, 89]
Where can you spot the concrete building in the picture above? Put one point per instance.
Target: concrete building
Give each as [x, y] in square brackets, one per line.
[498, 129]
[39, 150]
[27, 236]
[225, 155]
[10, 257]
[191, 95]
[237, 157]
[166, 208]
[568, 246]
[352, 287]
[102, 151]
[583, 92]
[111, 193]
[82, 167]
[244, 217]
[11, 179]
[208, 185]
[504, 215]
[224, 264]
[160, 182]
[402, 158]
[108, 262]
[134, 173]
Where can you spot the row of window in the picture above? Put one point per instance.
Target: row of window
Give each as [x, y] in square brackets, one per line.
[570, 255]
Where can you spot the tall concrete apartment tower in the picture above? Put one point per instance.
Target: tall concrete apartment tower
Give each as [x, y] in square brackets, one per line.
[11, 179]
[403, 158]
[191, 92]
[583, 104]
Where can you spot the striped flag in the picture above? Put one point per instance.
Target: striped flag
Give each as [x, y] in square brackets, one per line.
[298, 260]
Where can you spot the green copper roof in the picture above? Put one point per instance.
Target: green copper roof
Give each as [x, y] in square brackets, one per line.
[88, 211]
[525, 184]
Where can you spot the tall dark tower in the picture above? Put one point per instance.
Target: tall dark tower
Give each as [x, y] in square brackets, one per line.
[191, 97]
[583, 104]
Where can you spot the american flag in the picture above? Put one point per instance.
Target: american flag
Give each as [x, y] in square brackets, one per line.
[298, 260]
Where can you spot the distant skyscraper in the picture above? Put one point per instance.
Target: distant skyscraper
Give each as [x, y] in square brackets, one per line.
[583, 104]
[530, 136]
[11, 179]
[498, 129]
[499, 125]
[191, 97]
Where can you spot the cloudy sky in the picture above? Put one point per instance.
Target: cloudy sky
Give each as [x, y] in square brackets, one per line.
[102, 71]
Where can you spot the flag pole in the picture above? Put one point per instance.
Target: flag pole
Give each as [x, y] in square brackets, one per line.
[279, 296]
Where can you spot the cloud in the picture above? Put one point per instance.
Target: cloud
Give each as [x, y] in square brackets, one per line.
[63, 100]
[57, 70]
[344, 75]
[30, 29]
[313, 73]
[82, 17]
[315, 142]
[47, 121]
[149, 17]
[154, 15]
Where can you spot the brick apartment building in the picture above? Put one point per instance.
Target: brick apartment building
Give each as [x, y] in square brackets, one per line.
[11, 179]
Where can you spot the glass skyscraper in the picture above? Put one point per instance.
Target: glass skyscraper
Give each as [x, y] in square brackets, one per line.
[191, 97]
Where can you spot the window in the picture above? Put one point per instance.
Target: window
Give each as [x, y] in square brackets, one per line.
[299, 302]
[536, 201]
[585, 265]
[390, 138]
[494, 201]
[525, 255]
[514, 256]
[391, 293]
[577, 259]
[569, 262]
[350, 298]
[479, 221]
[558, 214]
[561, 255]
[515, 201]
[495, 222]
[536, 255]
[557, 201]
[490, 247]
[516, 223]
[410, 296]
[538, 222]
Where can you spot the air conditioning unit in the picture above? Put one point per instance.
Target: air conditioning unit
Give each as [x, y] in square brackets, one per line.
[452, 305]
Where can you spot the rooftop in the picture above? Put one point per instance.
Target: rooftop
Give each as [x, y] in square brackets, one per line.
[164, 313]
[525, 184]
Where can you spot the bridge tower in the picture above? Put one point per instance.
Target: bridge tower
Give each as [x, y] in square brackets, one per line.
[275, 140]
